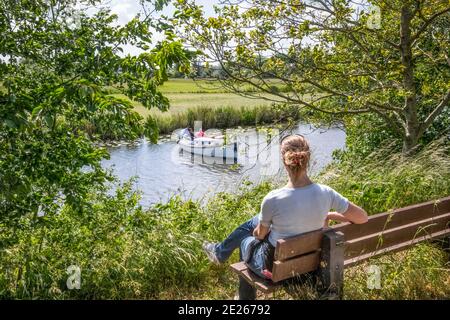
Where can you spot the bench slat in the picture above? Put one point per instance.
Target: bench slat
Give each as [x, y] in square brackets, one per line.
[396, 218]
[289, 268]
[263, 285]
[391, 237]
[395, 248]
[298, 245]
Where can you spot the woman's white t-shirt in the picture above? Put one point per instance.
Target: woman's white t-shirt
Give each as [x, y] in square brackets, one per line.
[292, 211]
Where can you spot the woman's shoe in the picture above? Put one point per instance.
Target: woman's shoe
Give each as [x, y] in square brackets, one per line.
[210, 250]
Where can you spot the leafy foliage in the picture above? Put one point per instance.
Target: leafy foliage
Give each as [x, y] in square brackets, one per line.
[57, 60]
[122, 250]
[337, 57]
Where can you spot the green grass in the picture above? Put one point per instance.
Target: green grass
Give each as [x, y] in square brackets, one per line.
[206, 86]
[126, 252]
[215, 110]
[188, 93]
[191, 86]
[203, 100]
[422, 272]
[180, 102]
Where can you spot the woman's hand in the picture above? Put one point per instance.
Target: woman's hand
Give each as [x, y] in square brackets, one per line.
[335, 216]
[260, 232]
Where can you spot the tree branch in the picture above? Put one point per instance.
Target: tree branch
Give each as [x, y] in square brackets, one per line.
[427, 23]
[437, 111]
[393, 124]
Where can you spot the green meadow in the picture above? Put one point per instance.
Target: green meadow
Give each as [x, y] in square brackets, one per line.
[181, 101]
[208, 101]
[187, 93]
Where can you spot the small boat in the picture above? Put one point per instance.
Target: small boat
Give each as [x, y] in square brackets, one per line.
[209, 147]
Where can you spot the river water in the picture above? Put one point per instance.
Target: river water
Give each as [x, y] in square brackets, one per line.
[164, 170]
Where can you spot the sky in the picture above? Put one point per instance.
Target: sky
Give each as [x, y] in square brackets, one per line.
[128, 9]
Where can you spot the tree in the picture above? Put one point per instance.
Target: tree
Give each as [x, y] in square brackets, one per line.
[338, 60]
[56, 63]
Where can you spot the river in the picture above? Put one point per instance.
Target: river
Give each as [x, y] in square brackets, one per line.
[163, 170]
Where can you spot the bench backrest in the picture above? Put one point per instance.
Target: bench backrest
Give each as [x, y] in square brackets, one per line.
[384, 232]
[395, 230]
[297, 255]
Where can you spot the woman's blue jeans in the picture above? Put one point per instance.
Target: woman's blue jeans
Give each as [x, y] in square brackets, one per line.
[241, 238]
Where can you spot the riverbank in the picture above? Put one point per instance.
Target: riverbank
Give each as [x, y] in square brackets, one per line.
[227, 117]
[126, 252]
[207, 101]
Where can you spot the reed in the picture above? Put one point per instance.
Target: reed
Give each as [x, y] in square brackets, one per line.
[226, 117]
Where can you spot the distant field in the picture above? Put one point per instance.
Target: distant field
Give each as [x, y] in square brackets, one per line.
[181, 101]
[191, 86]
[203, 86]
[187, 93]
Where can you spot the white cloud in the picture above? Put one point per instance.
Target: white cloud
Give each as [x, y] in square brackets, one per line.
[125, 10]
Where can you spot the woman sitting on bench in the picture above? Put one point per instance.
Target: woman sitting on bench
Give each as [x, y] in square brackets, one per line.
[300, 206]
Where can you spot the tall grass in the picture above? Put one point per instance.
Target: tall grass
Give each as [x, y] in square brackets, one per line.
[385, 179]
[422, 272]
[226, 117]
[125, 251]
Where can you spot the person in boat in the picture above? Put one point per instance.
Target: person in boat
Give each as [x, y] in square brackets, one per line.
[299, 207]
[188, 133]
[200, 133]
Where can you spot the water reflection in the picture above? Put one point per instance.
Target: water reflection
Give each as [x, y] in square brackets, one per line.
[163, 170]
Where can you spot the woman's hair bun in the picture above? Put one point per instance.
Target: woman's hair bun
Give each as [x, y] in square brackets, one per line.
[295, 152]
[295, 158]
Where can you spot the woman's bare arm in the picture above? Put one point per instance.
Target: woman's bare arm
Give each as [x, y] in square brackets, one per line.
[354, 214]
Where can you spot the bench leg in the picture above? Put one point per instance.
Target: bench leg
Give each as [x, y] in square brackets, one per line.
[246, 291]
[331, 270]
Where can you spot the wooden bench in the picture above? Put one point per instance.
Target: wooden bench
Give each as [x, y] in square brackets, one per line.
[328, 251]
